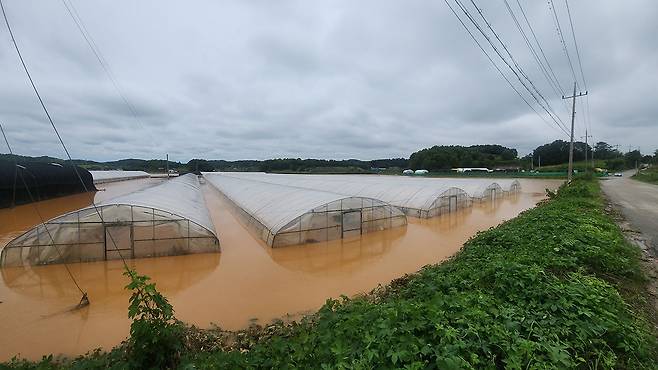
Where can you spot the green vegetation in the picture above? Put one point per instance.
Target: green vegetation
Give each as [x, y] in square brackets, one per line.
[557, 287]
[448, 157]
[155, 335]
[649, 175]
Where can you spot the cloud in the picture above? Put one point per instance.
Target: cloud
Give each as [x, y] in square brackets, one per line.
[326, 79]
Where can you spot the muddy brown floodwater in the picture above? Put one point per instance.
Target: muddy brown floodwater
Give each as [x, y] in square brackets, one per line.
[248, 281]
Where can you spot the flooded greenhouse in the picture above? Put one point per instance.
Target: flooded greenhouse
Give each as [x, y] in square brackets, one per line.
[286, 215]
[416, 197]
[166, 219]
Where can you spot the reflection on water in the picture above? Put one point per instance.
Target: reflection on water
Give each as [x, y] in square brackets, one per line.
[252, 282]
[338, 255]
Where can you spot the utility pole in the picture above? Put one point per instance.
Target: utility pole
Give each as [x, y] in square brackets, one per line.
[586, 147]
[573, 117]
[539, 155]
[167, 165]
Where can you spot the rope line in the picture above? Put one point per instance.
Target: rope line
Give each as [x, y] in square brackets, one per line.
[36, 209]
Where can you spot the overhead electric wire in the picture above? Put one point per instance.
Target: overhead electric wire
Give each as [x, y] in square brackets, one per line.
[580, 66]
[556, 89]
[541, 49]
[521, 71]
[488, 39]
[575, 44]
[518, 67]
[105, 65]
[548, 110]
[52, 123]
[499, 70]
[556, 21]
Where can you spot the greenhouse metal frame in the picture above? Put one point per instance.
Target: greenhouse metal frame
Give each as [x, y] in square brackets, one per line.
[166, 219]
[283, 215]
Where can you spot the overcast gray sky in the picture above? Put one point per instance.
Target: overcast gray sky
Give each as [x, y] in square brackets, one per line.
[324, 79]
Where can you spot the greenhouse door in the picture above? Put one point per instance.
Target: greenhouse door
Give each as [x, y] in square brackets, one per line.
[118, 241]
[453, 203]
[351, 223]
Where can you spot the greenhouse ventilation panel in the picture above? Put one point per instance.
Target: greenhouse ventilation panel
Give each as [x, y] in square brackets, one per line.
[285, 215]
[167, 219]
[415, 197]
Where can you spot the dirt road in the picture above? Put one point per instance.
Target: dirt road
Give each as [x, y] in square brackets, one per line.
[638, 201]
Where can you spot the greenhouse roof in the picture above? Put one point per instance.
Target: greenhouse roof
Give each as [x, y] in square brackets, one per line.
[110, 176]
[181, 196]
[412, 193]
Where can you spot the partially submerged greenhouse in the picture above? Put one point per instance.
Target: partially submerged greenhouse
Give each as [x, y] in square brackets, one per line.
[415, 197]
[101, 177]
[285, 215]
[163, 220]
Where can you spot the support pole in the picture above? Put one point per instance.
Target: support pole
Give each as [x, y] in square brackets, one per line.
[573, 117]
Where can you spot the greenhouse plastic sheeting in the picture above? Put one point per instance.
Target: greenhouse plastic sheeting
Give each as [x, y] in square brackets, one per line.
[101, 177]
[167, 219]
[418, 197]
[285, 215]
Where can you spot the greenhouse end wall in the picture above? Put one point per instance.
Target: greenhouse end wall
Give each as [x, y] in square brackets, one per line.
[343, 218]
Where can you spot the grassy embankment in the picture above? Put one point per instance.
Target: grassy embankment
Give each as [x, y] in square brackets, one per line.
[557, 287]
[649, 175]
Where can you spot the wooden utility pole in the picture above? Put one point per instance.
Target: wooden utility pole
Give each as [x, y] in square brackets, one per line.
[573, 117]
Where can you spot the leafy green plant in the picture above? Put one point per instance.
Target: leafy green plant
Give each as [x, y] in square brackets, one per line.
[155, 335]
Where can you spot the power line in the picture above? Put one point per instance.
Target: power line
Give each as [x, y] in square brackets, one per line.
[479, 10]
[498, 68]
[556, 21]
[52, 123]
[575, 43]
[550, 110]
[586, 118]
[542, 69]
[84, 300]
[514, 71]
[95, 49]
[541, 50]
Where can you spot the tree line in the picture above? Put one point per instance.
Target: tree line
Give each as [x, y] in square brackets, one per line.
[436, 158]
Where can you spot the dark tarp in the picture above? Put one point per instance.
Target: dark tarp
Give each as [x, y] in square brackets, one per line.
[44, 181]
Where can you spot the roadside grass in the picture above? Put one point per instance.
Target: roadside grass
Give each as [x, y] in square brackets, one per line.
[556, 287]
[649, 175]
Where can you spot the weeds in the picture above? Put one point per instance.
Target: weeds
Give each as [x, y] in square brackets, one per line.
[155, 335]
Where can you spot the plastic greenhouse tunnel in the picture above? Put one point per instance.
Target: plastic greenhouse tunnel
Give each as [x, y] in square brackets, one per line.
[164, 220]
